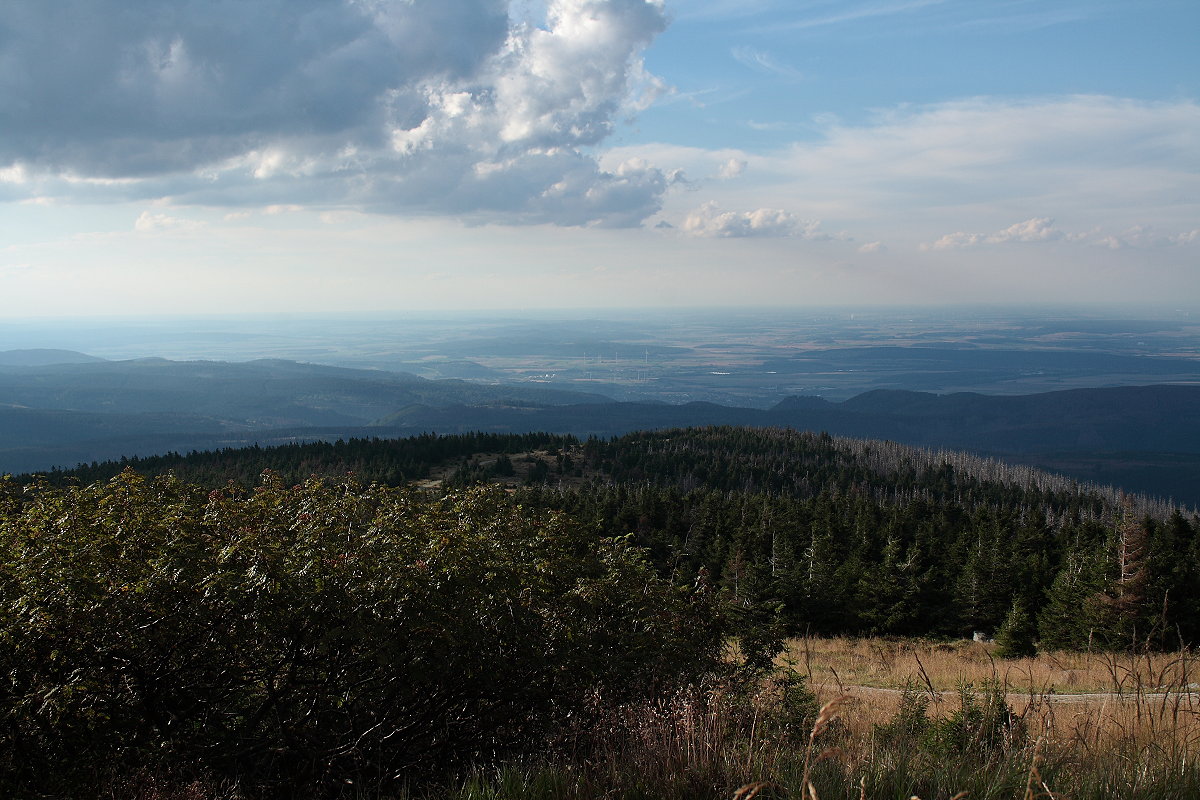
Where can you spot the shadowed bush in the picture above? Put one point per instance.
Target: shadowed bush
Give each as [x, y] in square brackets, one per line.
[312, 635]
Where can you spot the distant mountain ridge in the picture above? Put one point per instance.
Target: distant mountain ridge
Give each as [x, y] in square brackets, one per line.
[1146, 438]
[1165, 417]
[262, 393]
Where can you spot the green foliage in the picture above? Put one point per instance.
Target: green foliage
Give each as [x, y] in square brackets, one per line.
[1068, 619]
[387, 461]
[798, 705]
[982, 724]
[760, 635]
[911, 721]
[1015, 639]
[295, 637]
[842, 536]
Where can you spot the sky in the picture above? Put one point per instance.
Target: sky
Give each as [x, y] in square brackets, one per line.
[231, 156]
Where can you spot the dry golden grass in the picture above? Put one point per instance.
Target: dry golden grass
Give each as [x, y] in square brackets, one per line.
[1091, 703]
[942, 666]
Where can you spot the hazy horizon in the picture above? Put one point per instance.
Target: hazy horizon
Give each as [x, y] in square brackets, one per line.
[560, 345]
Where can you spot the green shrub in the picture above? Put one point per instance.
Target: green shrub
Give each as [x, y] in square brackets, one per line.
[910, 723]
[983, 723]
[293, 637]
[797, 708]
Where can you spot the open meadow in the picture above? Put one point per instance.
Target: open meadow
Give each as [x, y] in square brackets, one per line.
[1096, 710]
[886, 718]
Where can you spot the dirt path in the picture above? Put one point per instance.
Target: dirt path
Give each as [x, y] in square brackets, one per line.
[1188, 698]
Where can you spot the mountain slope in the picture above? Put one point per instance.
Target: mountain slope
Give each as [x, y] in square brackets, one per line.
[66, 413]
[1122, 418]
[841, 535]
[42, 357]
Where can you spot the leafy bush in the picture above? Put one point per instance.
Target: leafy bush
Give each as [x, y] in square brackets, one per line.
[291, 637]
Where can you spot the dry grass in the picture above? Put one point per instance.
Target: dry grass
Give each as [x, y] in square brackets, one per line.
[1130, 729]
[1092, 707]
[893, 664]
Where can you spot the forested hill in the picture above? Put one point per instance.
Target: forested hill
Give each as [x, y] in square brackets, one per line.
[768, 460]
[818, 532]
[1143, 438]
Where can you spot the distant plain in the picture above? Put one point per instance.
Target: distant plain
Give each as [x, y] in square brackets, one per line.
[749, 357]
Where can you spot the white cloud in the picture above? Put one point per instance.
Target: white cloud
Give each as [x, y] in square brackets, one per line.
[960, 174]
[157, 223]
[1042, 229]
[425, 106]
[13, 174]
[955, 240]
[1037, 229]
[732, 168]
[872, 247]
[990, 148]
[1144, 237]
[710, 221]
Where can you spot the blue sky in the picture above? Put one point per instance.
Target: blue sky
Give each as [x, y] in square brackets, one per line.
[760, 72]
[341, 155]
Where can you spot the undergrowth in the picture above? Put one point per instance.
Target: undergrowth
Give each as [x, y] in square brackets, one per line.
[769, 739]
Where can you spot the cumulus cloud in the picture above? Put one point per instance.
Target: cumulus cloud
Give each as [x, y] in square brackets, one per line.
[732, 168]
[710, 221]
[469, 107]
[1042, 229]
[156, 223]
[1037, 229]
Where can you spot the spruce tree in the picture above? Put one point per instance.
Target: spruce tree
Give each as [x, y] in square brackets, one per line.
[1015, 637]
[1069, 616]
